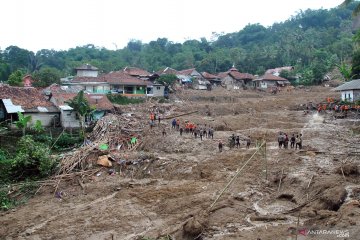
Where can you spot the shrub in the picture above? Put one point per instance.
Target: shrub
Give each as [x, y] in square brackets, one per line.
[32, 160]
[66, 141]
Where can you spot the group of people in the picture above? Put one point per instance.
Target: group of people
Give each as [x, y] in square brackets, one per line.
[192, 128]
[295, 142]
[235, 141]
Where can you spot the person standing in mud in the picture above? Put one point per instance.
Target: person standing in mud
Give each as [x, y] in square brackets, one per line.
[201, 134]
[299, 142]
[220, 146]
[173, 123]
[237, 142]
[292, 141]
[281, 139]
[248, 142]
[286, 141]
[181, 131]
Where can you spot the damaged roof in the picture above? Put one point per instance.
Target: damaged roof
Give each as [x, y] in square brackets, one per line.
[240, 76]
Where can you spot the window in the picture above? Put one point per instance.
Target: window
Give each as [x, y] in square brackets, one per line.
[157, 88]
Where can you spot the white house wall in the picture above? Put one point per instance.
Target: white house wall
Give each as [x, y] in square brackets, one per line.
[46, 119]
[347, 95]
[68, 119]
[86, 73]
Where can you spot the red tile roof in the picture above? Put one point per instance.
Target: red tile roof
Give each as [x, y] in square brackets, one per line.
[222, 74]
[209, 76]
[133, 71]
[241, 76]
[120, 77]
[187, 71]
[270, 77]
[26, 97]
[168, 70]
[100, 101]
[233, 69]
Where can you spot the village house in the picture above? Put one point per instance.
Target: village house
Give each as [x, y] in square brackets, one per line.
[350, 91]
[121, 82]
[213, 79]
[269, 81]
[87, 70]
[29, 101]
[233, 79]
[88, 80]
[68, 117]
[131, 82]
[188, 76]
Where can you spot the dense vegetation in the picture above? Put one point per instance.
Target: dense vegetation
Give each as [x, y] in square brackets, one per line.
[313, 41]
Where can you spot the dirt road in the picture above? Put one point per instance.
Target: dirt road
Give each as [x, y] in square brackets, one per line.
[170, 195]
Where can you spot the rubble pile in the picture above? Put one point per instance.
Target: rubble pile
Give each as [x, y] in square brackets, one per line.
[111, 133]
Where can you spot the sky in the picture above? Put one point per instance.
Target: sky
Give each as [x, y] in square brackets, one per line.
[64, 24]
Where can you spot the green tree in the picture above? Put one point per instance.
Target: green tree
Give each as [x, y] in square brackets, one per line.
[82, 107]
[22, 122]
[167, 79]
[345, 70]
[356, 10]
[46, 76]
[16, 78]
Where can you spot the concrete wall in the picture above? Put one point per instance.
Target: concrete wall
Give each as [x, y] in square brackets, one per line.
[86, 73]
[46, 119]
[158, 91]
[68, 119]
[347, 95]
[356, 95]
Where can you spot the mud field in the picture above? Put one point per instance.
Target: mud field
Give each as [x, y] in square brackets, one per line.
[278, 194]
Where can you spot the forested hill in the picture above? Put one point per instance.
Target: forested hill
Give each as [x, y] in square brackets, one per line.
[313, 41]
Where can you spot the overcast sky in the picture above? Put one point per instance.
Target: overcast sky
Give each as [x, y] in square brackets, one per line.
[64, 24]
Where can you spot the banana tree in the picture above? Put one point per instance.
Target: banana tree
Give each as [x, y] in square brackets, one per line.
[22, 122]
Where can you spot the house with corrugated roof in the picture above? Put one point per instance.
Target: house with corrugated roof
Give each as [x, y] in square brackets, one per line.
[29, 101]
[350, 91]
